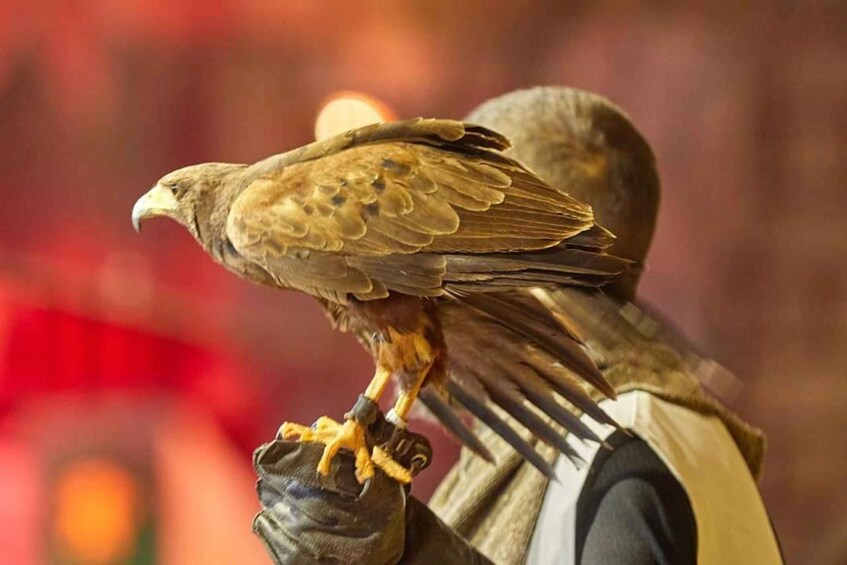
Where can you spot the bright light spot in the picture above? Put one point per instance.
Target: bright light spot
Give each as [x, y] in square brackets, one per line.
[97, 512]
[348, 110]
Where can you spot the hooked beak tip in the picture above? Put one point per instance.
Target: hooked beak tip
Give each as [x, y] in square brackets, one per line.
[138, 213]
[156, 202]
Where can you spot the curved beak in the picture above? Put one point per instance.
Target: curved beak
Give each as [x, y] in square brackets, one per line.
[157, 202]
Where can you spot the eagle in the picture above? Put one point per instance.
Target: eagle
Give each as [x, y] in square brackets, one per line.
[429, 244]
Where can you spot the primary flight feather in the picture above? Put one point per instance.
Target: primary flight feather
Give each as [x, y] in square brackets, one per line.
[417, 235]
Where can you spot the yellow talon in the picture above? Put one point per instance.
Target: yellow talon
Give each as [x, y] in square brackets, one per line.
[391, 467]
[290, 430]
[351, 436]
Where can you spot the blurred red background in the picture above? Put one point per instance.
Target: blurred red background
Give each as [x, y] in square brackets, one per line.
[136, 365]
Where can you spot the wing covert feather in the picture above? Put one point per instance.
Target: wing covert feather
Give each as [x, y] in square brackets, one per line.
[361, 201]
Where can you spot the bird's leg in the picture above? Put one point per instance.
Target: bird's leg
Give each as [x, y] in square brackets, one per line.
[405, 400]
[349, 435]
[418, 359]
[408, 355]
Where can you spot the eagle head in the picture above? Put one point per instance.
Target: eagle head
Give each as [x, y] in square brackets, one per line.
[197, 197]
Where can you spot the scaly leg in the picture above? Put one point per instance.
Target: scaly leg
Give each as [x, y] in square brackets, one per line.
[407, 352]
[349, 435]
[423, 357]
[397, 416]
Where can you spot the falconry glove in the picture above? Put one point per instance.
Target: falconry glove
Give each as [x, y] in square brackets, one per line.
[308, 518]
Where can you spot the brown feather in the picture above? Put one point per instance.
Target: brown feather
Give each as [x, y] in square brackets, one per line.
[478, 408]
[427, 186]
[408, 227]
[504, 393]
[454, 424]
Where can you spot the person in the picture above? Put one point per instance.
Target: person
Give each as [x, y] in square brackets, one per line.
[678, 484]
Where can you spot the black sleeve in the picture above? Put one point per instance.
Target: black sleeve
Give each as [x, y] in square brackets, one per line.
[633, 510]
[429, 540]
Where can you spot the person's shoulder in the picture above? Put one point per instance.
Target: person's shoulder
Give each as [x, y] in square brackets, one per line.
[632, 505]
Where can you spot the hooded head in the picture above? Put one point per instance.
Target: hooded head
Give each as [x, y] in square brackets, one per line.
[584, 145]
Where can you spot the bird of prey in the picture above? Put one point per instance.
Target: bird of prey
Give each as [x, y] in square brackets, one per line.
[424, 240]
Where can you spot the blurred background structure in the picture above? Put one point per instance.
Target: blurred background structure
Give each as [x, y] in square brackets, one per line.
[136, 376]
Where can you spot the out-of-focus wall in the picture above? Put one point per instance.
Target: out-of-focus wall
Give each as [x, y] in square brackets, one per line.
[746, 109]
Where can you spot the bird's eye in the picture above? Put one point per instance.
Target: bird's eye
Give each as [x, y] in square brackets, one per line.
[175, 189]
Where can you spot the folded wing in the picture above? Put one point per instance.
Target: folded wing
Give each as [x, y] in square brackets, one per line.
[424, 207]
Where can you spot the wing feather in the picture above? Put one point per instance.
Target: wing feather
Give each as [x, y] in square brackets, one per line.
[374, 195]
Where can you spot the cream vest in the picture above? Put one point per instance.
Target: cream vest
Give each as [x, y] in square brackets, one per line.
[732, 525]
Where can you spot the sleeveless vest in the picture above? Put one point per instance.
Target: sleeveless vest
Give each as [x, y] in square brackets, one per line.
[732, 524]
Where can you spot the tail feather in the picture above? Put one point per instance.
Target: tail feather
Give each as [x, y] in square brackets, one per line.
[486, 415]
[510, 401]
[454, 424]
[536, 392]
[518, 375]
[561, 345]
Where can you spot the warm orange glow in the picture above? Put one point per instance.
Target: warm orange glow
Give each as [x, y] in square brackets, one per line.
[346, 110]
[97, 512]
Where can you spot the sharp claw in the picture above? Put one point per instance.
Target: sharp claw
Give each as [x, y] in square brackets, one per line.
[366, 486]
[348, 435]
[365, 474]
[418, 462]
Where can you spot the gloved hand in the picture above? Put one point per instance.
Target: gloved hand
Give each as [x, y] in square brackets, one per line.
[307, 518]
